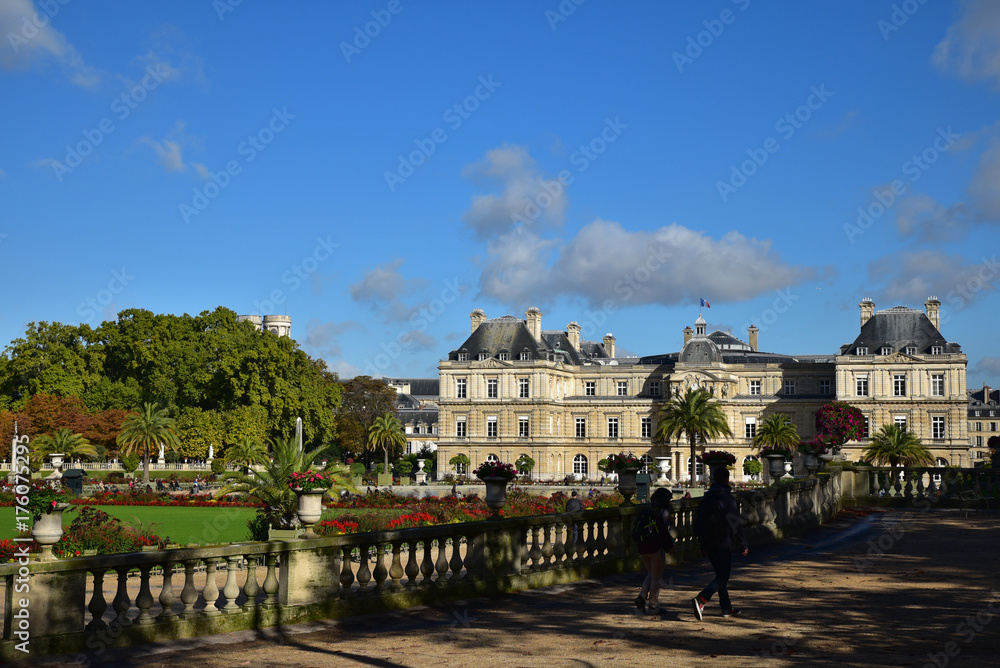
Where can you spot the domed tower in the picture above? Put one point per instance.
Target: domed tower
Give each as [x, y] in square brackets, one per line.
[279, 324]
[255, 319]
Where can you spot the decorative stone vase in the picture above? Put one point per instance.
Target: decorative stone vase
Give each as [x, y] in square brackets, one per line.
[788, 468]
[47, 530]
[811, 463]
[775, 466]
[420, 464]
[310, 509]
[626, 484]
[496, 495]
[663, 467]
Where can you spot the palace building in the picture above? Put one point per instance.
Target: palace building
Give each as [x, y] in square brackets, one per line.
[513, 388]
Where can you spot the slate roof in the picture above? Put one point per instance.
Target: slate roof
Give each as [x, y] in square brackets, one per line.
[978, 398]
[510, 334]
[419, 387]
[898, 328]
[414, 417]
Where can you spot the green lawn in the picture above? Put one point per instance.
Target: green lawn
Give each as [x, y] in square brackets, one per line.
[182, 525]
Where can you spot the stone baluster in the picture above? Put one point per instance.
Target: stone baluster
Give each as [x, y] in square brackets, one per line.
[211, 590]
[547, 550]
[580, 544]
[612, 542]
[457, 562]
[97, 603]
[534, 550]
[167, 596]
[122, 604]
[559, 547]
[441, 565]
[396, 569]
[346, 574]
[412, 567]
[381, 573]
[364, 571]
[601, 540]
[271, 581]
[591, 542]
[932, 488]
[250, 587]
[231, 590]
[144, 601]
[427, 563]
[920, 483]
[189, 594]
[473, 557]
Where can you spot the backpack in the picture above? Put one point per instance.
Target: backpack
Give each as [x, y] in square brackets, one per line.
[647, 530]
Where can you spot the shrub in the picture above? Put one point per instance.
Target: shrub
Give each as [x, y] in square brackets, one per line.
[404, 467]
[94, 529]
[218, 466]
[357, 469]
[131, 462]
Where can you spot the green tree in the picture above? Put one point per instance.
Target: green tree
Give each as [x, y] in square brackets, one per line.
[694, 415]
[775, 431]
[524, 464]
[247, 454]
[461, 463]
[147, 429]
[61, 440]
[198, 429]
[387, 432]
[363, 400]
[892, 445]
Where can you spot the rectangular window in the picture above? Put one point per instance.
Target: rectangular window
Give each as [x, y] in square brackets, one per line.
[524, 357]
[993, 426]
[482, 356]
[900, 421]
[979, 441]
[861, 386]
[590, 388]
[647, 427]
[936, 350]
[522, 427]
[460, 428]
[463, 357]
[864, 428]
[613, 427]
[504, 357]
[937, 427]
[885, 351]
[491, 427]
[622, 388]
[581, 427]
[755, 387]
[979, 426]
[491, 388]
[460, 388]
[824, 387]
[937, 385]
[522, 388]
[789, 387]
[899, 385]
[911, 350]
[750, 427]
[654, 388]
[862, 350]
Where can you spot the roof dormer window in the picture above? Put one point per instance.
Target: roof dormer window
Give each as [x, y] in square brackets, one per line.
[482, 356]
[862, 350]
[886, 350]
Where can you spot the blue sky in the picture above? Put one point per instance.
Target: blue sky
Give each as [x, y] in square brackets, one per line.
[377, 170]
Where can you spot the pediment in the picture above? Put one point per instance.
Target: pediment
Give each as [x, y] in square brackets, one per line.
[897, 358]
[491, 363]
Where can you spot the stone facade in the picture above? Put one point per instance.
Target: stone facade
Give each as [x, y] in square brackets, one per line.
[513, 388]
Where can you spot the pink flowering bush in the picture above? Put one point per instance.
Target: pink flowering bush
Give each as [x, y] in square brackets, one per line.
[495, 470]
[839, 422]
[310, 481]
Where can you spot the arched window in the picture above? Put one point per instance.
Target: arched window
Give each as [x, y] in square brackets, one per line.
[492, 459]
[522, 457]
[580, 465]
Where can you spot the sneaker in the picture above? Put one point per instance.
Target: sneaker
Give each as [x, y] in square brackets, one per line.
[732, 612]
[698, 607]
[640, 603]
[654, 609]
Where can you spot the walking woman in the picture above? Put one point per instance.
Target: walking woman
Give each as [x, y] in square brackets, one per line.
[652, 531]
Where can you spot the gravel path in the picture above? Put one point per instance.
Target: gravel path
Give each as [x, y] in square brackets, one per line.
[818, 601]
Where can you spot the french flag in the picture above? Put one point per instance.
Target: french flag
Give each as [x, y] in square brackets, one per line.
[705, 304]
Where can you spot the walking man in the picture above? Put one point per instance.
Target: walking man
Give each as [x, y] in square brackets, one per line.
[716, 523]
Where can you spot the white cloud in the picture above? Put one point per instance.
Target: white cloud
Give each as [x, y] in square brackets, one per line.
[970, 49]
[670, 265]
[169, 152]
[987, 366]
[31, 40]
[911, 277]
[526, 195]
[202, 170]
[321, 337]
[343, 369]
[923, 218]
[3, 174]
[984, 191]
[383, 288]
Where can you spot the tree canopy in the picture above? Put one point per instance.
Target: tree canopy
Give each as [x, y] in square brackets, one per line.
[694, 415]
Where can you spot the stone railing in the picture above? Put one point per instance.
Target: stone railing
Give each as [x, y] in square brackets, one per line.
[86, 605]
[909, 485]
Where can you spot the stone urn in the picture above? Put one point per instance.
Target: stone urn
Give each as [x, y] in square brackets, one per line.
[47, 530]
[788, 467]
[663, 468]
[775, 466]
[811, 463]
[310, 509]
[626, 484]
[496, 494]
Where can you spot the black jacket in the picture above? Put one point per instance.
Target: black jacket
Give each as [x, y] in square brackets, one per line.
[718, 520]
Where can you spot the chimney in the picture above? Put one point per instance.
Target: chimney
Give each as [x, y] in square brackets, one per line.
[477, 316]
[533, 318]
[753, 337]
[573, 332]
[933, 307]
[986, 393]
[609, 344]
[867, 310]
[688, 333]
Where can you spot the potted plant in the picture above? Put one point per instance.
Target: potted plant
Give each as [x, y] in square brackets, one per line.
[45, 504]
[776, 457]
[626, 466]
[357, 472]
[310, 487]
[404, 467]
[496, 475]
[752, 468]
[811, 450]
